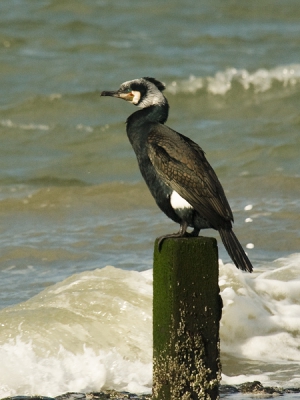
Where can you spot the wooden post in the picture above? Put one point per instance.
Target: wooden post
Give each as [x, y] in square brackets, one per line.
[187, 310]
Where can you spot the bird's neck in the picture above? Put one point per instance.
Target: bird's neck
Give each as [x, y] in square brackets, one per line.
[140, 123]
[157, 113]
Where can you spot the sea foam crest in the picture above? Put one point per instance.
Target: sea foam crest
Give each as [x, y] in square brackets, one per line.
[261, 315]
[31, 126]
[260, 80]
[27, 373]
[94, 330]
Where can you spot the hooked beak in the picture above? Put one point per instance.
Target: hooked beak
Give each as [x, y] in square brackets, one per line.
[110, 93]
[118, 95]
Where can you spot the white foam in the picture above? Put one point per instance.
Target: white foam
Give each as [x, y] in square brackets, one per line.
[260, 80]
[28, 373]
[91, 330]
[261, 315]
[239, 379]
[10, 124]
[94, 330]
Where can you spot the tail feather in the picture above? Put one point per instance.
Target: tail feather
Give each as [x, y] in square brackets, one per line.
[235, 250]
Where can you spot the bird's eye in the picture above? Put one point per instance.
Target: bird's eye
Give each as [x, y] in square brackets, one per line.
[127, 90]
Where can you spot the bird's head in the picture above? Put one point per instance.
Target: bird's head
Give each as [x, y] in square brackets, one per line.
[142, 92]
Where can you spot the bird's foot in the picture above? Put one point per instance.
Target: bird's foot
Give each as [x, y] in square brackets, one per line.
[180, 234]
[170, 235]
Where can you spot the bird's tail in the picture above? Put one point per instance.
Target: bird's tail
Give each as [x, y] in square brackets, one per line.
[235, 250]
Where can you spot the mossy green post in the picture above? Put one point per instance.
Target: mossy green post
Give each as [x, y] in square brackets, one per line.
[186, 314]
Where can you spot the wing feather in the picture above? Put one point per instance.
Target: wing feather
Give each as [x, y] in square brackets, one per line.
[182, 165]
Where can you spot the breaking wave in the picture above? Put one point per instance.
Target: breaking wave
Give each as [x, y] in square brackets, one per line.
[222, 82]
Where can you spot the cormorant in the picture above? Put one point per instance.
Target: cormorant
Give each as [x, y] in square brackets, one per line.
[178, 175]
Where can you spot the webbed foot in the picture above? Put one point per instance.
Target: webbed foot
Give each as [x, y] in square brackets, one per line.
[181, 233]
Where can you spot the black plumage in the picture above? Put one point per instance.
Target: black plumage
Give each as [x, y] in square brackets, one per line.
[175, 168]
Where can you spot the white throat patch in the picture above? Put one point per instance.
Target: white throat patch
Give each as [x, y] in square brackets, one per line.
[178, 202]
[136, 97]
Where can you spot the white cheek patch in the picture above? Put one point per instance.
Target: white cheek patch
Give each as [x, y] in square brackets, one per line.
[136, 96]
[178, 202]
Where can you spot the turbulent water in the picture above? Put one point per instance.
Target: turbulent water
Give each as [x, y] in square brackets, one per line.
[72, 200]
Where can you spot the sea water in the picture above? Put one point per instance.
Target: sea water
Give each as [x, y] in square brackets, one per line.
[77, 223]
[94, 330]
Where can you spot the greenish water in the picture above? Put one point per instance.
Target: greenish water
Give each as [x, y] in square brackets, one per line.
[72, 199]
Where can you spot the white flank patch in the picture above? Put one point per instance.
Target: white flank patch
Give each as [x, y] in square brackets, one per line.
[178, 202]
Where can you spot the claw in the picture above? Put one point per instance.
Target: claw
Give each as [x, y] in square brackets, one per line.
[170, 235]
[181, 233]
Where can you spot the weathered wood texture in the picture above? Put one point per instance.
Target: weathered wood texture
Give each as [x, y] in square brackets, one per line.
[186, 314]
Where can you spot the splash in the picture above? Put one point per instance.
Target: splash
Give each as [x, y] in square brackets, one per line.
[27, 373]
[261, 318]
[93, 330]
